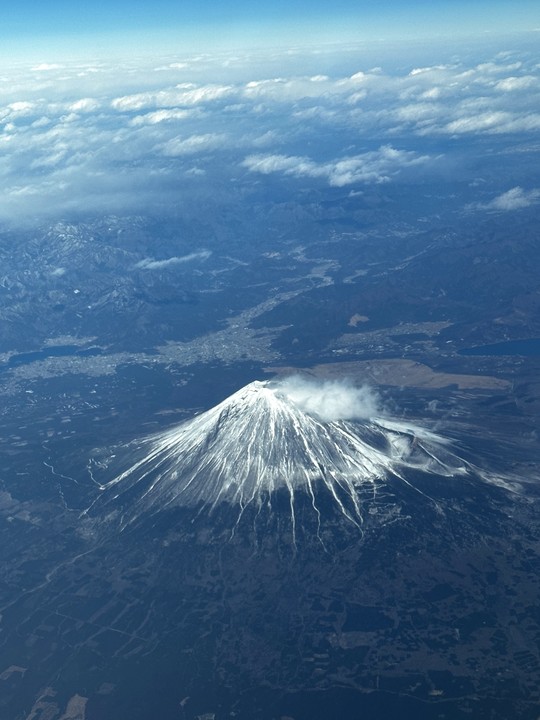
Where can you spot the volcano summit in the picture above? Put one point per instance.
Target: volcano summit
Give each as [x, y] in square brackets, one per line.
[294, 438]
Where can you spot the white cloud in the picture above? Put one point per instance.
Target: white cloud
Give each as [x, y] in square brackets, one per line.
[316, 112]
[204, 94]
[426, 70]
[44, 67]
[41, 122]
[194, 144]
[495, 122]
[510, 84]
[84, 105]
[182, 95]
[270, 137]
[151, 264]
[482, 121]
[431, 94]
[99, 135]
[139, 101]
[58, 272]
[495, 68]
[21, 108]
[331, 400]
[195, 172]
[159, 116]
[514, 199]
[419, 111]
[371, 167]
[278, 89]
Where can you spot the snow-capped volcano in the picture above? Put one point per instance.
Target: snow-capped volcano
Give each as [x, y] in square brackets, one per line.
[272, 436]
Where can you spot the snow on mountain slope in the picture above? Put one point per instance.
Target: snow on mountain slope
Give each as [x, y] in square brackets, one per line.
[273, 436]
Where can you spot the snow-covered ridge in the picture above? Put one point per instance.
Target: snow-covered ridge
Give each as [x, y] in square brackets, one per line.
[260, 440]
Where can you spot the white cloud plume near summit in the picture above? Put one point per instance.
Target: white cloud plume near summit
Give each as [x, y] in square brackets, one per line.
[331, 400]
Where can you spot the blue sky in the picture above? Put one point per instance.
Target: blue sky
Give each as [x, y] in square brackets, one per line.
[72, 25]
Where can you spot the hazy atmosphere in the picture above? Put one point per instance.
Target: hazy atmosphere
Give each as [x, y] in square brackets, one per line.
[269, 360]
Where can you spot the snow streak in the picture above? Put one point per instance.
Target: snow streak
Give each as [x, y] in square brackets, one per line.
[259, 441]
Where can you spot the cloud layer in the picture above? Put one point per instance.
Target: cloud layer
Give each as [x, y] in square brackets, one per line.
[101, 138]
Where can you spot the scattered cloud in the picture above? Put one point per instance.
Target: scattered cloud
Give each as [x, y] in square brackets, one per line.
[105, 136]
